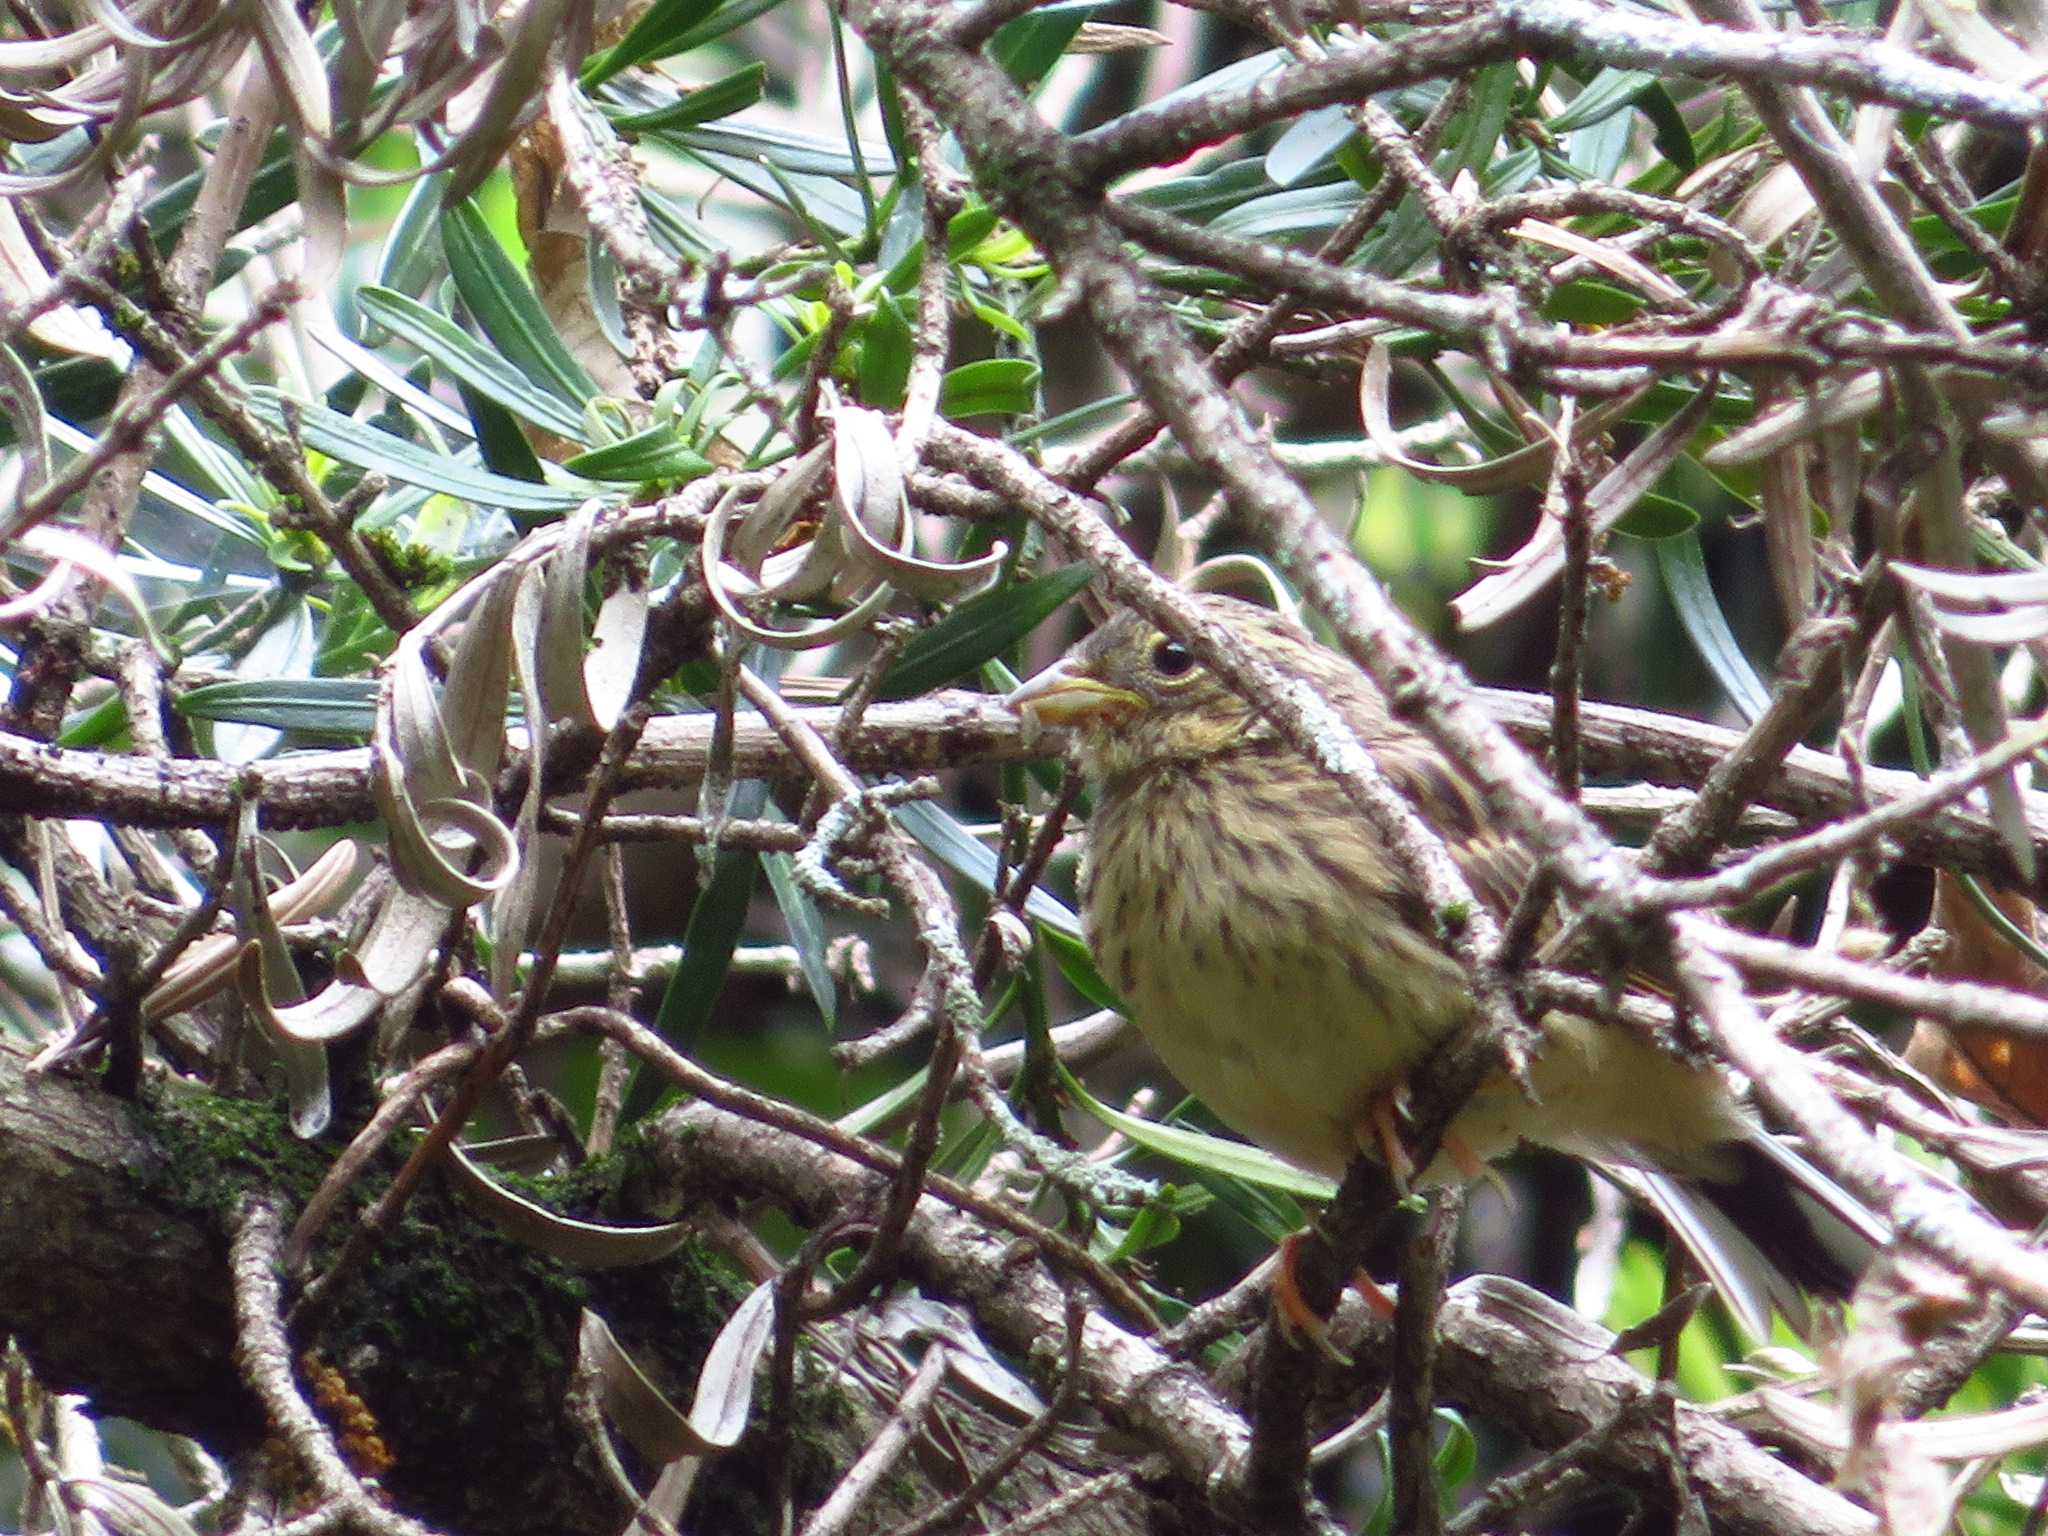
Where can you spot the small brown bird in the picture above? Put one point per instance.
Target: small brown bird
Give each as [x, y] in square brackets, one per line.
[1287, 969]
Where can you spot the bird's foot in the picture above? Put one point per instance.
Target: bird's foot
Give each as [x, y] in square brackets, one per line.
[1381, 1133]
[1299, 1321]
[1464, 1159]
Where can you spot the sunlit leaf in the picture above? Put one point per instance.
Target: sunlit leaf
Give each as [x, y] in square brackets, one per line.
[1217, 1154]
[467, 359]
[703, 104]
[505, 307]
[995, 386]
[656, 454]
[366, 447]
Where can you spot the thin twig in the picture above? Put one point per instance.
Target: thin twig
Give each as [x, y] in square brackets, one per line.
[698, 1083]
[264, 1357]
[1021, 1444]
[615, 1067]
[1567, 502]
[1425, 1266]
[884, 1449]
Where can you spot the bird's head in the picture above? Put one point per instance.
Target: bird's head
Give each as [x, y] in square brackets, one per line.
[1138, 698]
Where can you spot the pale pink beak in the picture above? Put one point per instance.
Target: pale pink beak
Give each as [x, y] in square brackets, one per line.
[1064, 695]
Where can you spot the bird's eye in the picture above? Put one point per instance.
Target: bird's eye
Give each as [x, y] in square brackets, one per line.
[1172, 659]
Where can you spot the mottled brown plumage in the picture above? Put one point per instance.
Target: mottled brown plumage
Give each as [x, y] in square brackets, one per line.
[1281, 961]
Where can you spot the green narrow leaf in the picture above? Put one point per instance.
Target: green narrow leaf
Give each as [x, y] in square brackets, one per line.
[1474, 137]
[891, 106]
[503, 447]
[968, 228]
[1683, 566]
[978, 629]
[806, 932]
[407, 261]
[1658, 517]
[726, 19]
[1607, 93]
[1291, 213]
[884, 1106]
[1456, 1459]
[703, 104]
[1511, 173]
[1307, 142]
[787, 150]
[1668, 130]
[97, 726]
[344, 707]
[1077, 963]
[1586, 301]
[1153, 1227]
[1216, 1154]
[993, 317]
[452, 349]
[829, 210]
[1596, 153]
[716, 919]
[1267, 1212]
[656, 454]
[658, 34]
[601, 283]
[1202, 195]
[344, 438]
[505, 308]
[885, 354]
[952, 845]
[995, 386]
[1028, 47]
[1381, 1521]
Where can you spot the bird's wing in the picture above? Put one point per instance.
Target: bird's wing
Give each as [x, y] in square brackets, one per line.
[1497, 869]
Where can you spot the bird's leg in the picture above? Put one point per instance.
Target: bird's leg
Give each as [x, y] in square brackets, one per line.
[1465, 1160]
[1301, 1321]
[1380, 1132]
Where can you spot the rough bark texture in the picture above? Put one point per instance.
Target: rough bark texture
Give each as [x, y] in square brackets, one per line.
[92, 1232]
[113, 1277]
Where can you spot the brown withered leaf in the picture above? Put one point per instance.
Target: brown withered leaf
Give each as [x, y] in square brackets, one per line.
[2006, 1074]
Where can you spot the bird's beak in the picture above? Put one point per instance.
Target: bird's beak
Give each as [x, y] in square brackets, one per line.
[1064, 695]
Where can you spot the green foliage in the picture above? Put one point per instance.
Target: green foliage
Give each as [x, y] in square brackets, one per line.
[602, 396]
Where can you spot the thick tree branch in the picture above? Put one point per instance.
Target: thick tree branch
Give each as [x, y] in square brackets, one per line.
[115, 1222]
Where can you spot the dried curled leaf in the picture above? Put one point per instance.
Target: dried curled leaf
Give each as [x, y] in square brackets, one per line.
[24, 281]
[1986, 609]
[2005, 1073]
[725, 1385]
[432, 756]
[585, 1244]
[861, 546]
[434, 750]
[1526, 571]
[207, 967]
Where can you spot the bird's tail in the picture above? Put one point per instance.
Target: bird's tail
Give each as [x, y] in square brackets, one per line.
[1768, 1230]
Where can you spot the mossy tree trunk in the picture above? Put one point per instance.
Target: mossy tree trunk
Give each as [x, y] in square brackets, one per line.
[114, 1224]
